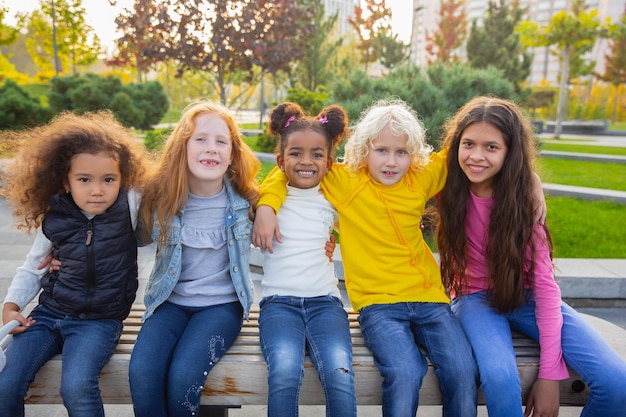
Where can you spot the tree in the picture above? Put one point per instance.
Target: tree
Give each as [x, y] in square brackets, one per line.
[443, 44]
[392, 51]
[314, 68]
[141, 45]
[495, 43]
[615, 61]
[8, 34]
[567, 32]
[368, 23]
[78, 45]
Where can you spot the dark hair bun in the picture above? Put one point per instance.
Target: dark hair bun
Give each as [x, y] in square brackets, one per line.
[282, 116]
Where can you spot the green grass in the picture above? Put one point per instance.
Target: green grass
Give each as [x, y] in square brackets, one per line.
[603, 150]
[610, 176]
[618, 126]
[266, 167]
[587, 229]
[582, 229]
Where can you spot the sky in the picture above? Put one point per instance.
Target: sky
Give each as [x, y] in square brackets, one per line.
[101, 16]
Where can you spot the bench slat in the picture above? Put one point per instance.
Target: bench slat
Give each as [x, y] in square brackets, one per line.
[240, 377]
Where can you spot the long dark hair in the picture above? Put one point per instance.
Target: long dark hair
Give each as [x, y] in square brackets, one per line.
[511, 222]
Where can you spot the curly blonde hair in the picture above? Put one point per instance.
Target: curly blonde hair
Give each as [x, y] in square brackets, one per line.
[401, 119]
[43, 163]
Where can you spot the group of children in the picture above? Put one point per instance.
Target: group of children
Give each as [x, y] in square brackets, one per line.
[79, 182]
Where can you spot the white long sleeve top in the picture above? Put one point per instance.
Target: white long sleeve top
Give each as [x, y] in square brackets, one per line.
[299, 266]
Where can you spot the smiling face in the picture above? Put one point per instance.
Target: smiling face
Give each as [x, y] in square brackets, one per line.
[482, 151]
[306, 158]
[94, 182]
[388, 159]
[209, 154]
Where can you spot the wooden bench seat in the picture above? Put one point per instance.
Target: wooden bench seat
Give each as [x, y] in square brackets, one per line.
[240, 378]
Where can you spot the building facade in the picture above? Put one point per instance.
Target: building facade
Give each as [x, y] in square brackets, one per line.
[545, 66]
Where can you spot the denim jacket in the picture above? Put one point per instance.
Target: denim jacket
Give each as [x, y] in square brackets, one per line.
[167, 266]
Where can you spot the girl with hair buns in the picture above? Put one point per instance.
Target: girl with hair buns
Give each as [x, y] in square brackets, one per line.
[301, 305]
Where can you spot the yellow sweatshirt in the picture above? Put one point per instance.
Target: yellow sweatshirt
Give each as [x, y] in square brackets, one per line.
[385, 257]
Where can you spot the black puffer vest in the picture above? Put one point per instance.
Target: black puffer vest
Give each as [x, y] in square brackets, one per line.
[98, 275]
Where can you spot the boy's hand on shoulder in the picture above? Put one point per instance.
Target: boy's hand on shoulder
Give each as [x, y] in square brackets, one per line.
[543, 399]
[265, 229]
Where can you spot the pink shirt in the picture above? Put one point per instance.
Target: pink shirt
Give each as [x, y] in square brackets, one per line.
[545, 289]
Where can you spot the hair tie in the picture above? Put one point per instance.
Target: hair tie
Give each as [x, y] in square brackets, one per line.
[323, 120]
[291, 119]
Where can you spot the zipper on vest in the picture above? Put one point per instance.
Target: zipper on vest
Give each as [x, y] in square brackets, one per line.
[91, 265]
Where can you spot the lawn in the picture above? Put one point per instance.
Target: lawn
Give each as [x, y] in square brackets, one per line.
[587, 229]
[592, 174]
[582, 229]
[565, 147]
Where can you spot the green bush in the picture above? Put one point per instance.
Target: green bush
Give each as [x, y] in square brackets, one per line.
[135, 105]
[154, 139]
[20, 109]
[266, 142]
[435, 93]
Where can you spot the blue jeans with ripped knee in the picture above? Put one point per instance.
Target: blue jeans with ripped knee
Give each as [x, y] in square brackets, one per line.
[176, 349]
[290, 325]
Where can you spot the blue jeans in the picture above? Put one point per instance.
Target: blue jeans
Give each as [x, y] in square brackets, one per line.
[584, 351]
[175, 350]
[395, 332]
[86, 346]
[289, 325]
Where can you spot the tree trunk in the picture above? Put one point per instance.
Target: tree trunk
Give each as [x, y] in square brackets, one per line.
[562, 92]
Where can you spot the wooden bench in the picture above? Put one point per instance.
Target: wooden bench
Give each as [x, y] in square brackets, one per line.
[240, 378]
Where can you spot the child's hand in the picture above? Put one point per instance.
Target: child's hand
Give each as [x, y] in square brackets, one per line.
[265, 229]
[50, 262]
[329, 248]
[543, 399]
[11, 311]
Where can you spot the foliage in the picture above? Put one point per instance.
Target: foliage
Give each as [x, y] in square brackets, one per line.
[140, 45]
[435, 93]
[443, 44]
[135, 105]
[615, 61]
[222, 39]
[573, 34]
[314, 68]
[154, 139]
[496, 43]
[77, 44]
[368, 23]
[312, 102]
[392, 51]
[19, 109]
[266, 142]
[8, 34]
